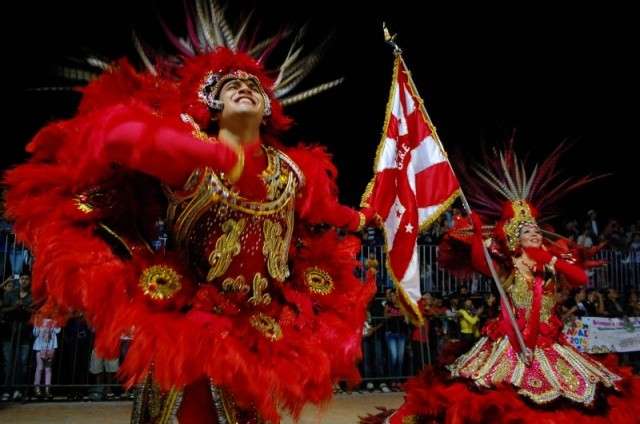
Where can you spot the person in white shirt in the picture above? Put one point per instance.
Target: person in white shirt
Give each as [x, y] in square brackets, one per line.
[45, 345]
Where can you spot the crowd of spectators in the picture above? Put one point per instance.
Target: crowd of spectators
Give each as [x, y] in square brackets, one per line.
[38, 362]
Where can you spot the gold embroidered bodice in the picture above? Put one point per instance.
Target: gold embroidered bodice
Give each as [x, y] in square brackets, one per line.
[232, 240]
[520, 289]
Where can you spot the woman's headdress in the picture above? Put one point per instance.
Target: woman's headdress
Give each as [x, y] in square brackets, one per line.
[505, 188]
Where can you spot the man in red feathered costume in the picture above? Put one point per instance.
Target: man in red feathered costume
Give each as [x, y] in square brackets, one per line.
[253, 306]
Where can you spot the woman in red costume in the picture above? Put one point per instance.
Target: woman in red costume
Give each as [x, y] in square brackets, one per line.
[252, 307]
[496, 381]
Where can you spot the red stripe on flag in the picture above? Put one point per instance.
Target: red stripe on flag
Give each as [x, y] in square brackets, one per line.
[435, 185]
[403, 244]
[405, 238]
[384, 192]
[392, 128]
[417, 127]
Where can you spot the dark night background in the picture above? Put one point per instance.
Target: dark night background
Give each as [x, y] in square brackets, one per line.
[550, 73]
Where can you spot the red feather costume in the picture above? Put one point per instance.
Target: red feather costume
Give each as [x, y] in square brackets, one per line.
[254, 307]
[560, 384]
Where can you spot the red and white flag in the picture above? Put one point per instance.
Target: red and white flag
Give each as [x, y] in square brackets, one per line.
[412, 186]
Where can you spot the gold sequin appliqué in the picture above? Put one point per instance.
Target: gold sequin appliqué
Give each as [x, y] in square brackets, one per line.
[502, 370]
[472, 367]
[568, 375]
[260, 284]
[546, 309]
[268, 326]
[276, 245]
[521, 293]
[469, 362]
[160, 282]
[227, 246]
[318, 281]
[275, 176]
[236, 285]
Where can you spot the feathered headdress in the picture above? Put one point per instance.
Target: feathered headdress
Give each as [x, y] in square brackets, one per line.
[521, 193]
[210, 51]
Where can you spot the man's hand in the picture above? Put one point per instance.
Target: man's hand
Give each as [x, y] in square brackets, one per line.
[369, 217]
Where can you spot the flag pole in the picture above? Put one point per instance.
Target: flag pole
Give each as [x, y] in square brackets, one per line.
[525, 352]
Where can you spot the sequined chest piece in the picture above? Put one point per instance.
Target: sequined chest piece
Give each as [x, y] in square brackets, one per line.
[235, 242]
[522, 296]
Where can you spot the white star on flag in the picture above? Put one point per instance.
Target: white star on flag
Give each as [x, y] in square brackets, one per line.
[408, 228]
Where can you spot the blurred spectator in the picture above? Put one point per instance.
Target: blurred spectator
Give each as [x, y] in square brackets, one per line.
[634, 248]
[372, 265]
[421, 336]
[104, 371]
[469, 319]
[451, 329]
[594, 303]
[125, 342]
[438, 314]
[437, 229]
[490, 309]
[451, 216]
[613, 308]
[463, 292]
[575, 306]
[633, 304]
[16, 332]
[614, 236]
[75, 354]
[159, 242]
[396, 333]
[5, 234]
[585, 239]
[372, 360]
[45, 345]
[562, 296]
[572, 230]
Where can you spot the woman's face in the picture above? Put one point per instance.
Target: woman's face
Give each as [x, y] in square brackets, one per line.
[530, 236]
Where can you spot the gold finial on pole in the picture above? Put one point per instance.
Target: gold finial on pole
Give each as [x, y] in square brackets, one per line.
[390, 39]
